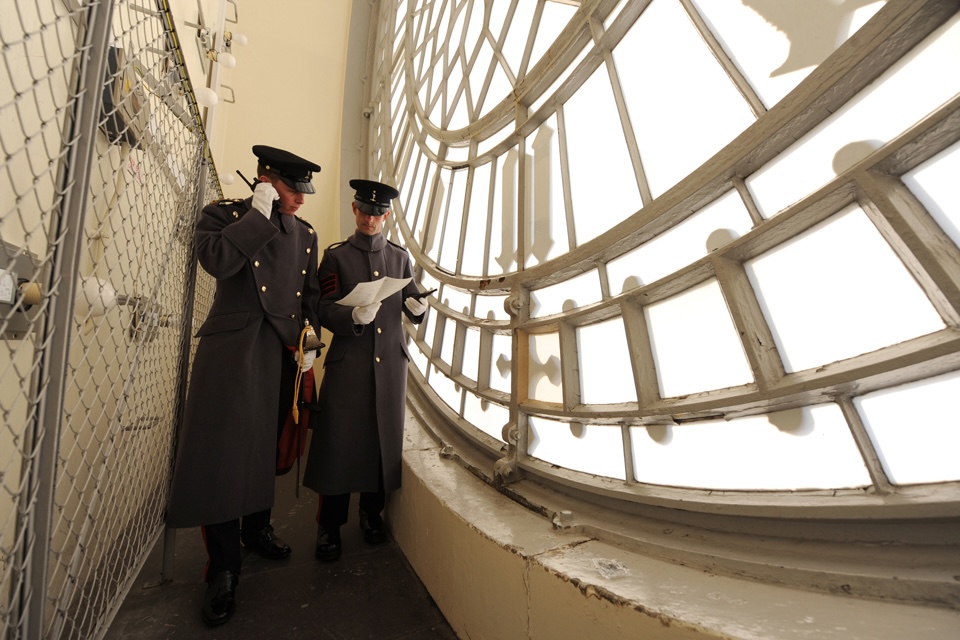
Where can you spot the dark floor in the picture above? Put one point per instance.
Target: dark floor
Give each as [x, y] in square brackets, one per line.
[370, 593]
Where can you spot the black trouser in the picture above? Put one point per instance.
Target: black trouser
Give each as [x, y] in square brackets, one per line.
[334, 509]
[223, 541]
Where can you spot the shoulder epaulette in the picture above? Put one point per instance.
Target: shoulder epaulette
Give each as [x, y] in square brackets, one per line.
[336, 244]
[228, 201]
[398, 246]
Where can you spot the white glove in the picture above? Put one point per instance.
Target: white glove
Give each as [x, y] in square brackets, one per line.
[416, 306]
[365, 315]
[263, 197]
[308, 358]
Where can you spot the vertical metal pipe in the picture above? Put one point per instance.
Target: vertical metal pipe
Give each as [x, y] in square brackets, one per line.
[67, 229]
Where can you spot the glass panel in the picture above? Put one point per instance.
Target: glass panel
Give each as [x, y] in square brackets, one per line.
[471, 353]
[519, 33]
[477, 216]
[695, 344]
[597, 157]
[449, 333]
[716, 224]
[455, 299]
[546, 219]
[453, 214]
[570, 294]
[546, 95]
[544, 367]
[554, 18]
[914, 429]
[777, 44]
[896, 101]
[589, 448]
[418, 359]
[606, 374]
[822, 301]
[503, 228]
[934, 184]
[500, 363]
[805, 448]
[447, 389]
[487, 416]
[699, 115]
[491, 308]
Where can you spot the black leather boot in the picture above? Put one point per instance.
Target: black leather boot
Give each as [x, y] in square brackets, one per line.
[328, 544]
[220, 598]
[267, 544]
[374, 530]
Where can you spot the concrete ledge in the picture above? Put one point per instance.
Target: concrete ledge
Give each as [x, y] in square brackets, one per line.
[499, 571]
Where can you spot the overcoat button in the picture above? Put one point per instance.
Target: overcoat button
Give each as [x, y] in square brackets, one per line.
[379, 330]
[308, 250]
[298, 294]
[376, 273]
[256, 263]
[263, 288]
[304, 272]
[378, 358]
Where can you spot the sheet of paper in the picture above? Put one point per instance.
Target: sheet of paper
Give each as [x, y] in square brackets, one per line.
[369, 292]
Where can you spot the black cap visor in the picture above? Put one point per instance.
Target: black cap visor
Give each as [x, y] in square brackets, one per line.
[371, 209]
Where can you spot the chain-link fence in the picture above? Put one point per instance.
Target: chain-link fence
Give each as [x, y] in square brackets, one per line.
[104, 167]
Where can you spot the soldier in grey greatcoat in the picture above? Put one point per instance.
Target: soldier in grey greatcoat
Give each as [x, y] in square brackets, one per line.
[358, 438]
[264, 259]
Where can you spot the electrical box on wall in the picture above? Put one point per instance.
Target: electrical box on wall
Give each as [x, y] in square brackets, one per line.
[21, 281]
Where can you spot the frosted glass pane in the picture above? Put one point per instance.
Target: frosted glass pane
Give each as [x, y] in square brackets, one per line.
[915, 429]
[554, 18]
[544, 368]
[695, 345]
[934, 184]
[546, 218]
[777, 44]
[453, 216]
[503, 228]
[571, 294]
[701, 114]
[477, 216]
[605, 371]
[723, 220]
[806, 448]
[886, 108]
[449, 334]
[429, 325]
[500, 360]
[417, 358]
[447, 389]
[824, 291]
[597, 155]
[454, 298]
[471, 354]
[490, 308]
[516, 40]
[489, 417]
[589, 448]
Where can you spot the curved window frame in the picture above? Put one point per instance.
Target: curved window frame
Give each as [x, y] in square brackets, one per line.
[845, 523]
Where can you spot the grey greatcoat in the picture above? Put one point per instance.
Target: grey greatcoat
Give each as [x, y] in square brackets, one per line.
[267, 287]
[362, 396]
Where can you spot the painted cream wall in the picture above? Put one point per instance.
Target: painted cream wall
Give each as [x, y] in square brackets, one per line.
[288, 88]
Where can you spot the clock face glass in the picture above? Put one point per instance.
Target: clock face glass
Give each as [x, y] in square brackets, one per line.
[684, 243]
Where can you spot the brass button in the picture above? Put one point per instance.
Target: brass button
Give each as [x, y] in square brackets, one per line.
[298, 294]
[308, 249]
[263, 288]
[304, 272]
[378, 358]
[376, 273]
[293, 315]
[236, 215]
[256, 263]
[379, 330]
